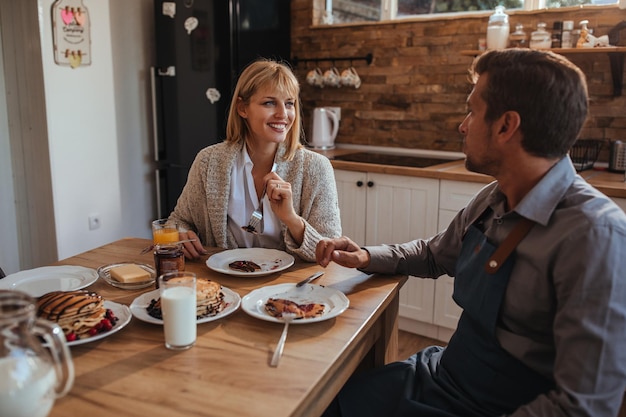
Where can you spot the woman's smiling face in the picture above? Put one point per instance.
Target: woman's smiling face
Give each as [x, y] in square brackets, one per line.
[269, 115]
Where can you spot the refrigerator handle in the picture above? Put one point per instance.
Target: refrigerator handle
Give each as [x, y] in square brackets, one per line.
[157, 174]
[155, 123]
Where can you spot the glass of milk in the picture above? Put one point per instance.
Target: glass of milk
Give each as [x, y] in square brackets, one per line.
[178, 307]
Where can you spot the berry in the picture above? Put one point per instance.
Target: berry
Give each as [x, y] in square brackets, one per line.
[105, 325]
[70, 337]
[93, 331]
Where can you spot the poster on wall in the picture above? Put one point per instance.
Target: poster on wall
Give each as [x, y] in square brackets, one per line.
[71, 33]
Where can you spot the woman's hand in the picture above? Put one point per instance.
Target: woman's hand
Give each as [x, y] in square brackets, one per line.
[281, 201]
[192, 250]
[342, 251]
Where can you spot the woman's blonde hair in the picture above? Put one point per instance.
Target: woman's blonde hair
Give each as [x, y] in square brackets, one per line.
[261, 74]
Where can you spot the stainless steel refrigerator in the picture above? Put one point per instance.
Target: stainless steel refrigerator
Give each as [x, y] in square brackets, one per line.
[201, 47]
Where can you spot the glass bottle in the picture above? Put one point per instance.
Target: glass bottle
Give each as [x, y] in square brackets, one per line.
[540, 38]
[498, 29]
[168, 258]
[566, 35]
[518, 39]
[557, 29]
[35, 362]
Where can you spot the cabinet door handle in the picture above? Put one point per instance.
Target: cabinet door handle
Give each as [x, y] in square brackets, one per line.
[370, 184]
[359, 183]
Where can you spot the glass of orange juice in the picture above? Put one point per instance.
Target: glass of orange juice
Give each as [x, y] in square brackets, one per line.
[164, 231]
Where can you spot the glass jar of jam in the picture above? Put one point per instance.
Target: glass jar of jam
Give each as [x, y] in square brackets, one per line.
[168, 258]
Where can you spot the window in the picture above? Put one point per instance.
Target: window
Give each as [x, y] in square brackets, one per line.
[349, 11]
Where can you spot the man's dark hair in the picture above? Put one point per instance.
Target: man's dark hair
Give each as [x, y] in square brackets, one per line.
[545, 89]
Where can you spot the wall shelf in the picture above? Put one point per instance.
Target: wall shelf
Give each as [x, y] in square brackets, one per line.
[615, 54]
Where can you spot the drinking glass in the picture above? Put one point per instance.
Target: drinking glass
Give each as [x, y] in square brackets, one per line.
[164, 231]
[178, 308]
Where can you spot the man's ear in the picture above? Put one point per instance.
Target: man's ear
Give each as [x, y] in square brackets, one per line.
[508, 124]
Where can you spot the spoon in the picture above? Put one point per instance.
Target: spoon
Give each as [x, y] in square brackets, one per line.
[149, 248]
[278, 352]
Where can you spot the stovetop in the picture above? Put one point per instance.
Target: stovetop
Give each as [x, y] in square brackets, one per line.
[392, 159]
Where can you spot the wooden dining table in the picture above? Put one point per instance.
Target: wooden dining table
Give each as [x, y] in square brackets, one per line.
[227, 372]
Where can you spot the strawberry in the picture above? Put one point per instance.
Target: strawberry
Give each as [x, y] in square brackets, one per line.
[105, 325]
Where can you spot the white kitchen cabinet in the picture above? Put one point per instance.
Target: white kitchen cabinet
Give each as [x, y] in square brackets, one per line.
[382, 208]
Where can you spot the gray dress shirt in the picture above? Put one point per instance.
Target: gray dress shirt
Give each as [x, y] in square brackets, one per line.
[564, 312]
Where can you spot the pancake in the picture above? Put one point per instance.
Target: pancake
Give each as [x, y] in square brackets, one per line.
[279, 306]
[209, 300]
[76, 312]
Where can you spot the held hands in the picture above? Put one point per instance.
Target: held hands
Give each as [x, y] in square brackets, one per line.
[342, 251]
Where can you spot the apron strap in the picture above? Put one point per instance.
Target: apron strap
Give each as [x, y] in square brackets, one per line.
[518, 233]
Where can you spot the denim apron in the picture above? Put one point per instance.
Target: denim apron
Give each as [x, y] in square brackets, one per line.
[472, 376]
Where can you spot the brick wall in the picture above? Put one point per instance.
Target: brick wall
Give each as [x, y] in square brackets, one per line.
[413, 93]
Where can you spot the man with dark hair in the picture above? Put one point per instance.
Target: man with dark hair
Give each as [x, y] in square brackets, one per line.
[538, 262]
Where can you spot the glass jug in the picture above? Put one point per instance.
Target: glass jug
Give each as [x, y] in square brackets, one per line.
[35, 362]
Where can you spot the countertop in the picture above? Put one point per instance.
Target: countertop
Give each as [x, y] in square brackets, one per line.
[611, 184]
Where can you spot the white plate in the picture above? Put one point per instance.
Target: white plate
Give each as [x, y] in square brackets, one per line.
[120, 311]
[39, 281]
[335, 302]
[140, 304]
[270, 261]
[105, 273]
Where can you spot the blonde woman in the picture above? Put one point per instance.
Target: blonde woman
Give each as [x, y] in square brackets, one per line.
[262, 155]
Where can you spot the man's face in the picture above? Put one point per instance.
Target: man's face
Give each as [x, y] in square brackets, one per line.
[477, 134]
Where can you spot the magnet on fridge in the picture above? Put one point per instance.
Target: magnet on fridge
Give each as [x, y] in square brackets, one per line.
[80, 17]
[169, 9]
[190, 24]
[75, 59]
[67, 16]
[213, 95]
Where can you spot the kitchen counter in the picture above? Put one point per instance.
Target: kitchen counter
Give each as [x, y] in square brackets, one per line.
[611, 184]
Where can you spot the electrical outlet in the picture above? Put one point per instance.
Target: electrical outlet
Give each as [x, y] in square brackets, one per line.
[94, 221]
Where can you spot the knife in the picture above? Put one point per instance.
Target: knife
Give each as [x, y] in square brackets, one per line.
[309, 279]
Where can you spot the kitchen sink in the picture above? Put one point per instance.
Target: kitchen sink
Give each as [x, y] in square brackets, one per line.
[393, 159]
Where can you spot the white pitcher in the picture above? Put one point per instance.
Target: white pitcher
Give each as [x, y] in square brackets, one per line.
[324, 128]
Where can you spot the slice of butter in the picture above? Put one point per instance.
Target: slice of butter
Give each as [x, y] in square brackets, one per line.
[129, 274]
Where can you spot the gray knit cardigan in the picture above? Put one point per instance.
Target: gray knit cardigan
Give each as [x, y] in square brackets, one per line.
[203, 203]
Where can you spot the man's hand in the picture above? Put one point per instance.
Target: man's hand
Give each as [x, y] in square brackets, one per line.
[342, 251]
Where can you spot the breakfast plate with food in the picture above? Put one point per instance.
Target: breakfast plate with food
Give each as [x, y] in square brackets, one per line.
[310, 303]
[38, 281]
[250, 262]
[84, 316]
[213, 302]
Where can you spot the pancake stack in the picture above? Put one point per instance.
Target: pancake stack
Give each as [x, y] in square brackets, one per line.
[209, 300]
[76, 312]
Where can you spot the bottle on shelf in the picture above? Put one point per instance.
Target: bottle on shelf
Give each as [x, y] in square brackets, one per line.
[518, 39]
[583, 39]
[540, 38]
[566, 35]
[557, 29]
[498, 29]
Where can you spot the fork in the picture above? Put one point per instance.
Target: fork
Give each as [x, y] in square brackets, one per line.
[278, 352]
[257, 215]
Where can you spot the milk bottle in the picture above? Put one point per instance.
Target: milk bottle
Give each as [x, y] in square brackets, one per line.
[31, 376]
